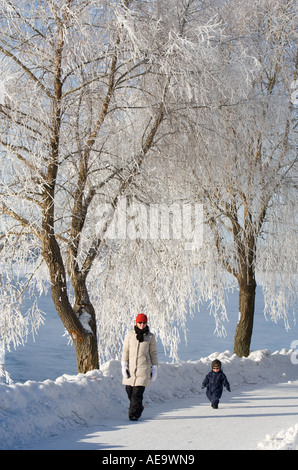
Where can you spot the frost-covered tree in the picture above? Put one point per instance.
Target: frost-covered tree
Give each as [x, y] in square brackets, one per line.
[91, 92]
[245, 164]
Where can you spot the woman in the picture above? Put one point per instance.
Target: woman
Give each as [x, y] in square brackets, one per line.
[139, 364]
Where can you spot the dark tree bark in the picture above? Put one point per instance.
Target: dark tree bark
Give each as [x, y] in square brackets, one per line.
[244, 327]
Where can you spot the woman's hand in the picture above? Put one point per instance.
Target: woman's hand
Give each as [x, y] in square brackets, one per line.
[153, 373]
[125, 370]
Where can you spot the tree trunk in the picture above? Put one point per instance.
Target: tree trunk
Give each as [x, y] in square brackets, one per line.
[244, 328]
[86, 353]
[86, 345]
[85, 341]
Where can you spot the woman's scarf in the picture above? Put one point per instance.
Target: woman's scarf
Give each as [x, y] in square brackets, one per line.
[140, 333]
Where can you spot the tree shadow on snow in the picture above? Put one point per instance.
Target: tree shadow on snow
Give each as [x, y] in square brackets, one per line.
[96, 436]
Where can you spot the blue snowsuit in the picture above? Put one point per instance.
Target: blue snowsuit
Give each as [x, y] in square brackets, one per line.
[214, 381]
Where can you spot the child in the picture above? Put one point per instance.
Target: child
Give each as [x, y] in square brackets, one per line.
[214, 381]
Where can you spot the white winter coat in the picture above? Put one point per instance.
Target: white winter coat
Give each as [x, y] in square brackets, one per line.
[140, 356]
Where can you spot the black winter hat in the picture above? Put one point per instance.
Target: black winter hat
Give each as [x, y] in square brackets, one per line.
[216, 363]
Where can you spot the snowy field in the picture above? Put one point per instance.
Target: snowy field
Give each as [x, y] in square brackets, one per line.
[49, 406]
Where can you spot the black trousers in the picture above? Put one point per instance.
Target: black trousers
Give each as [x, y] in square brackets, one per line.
[135, 396]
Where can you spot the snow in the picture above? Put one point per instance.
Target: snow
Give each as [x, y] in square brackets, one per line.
[90, 411]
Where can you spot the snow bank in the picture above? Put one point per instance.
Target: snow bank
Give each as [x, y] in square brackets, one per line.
[283, 440]
[36, 410]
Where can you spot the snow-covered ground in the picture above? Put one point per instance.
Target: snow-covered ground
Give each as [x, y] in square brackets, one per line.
[90, 411]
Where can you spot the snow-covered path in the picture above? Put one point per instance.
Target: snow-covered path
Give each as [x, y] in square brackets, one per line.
[242, 421]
